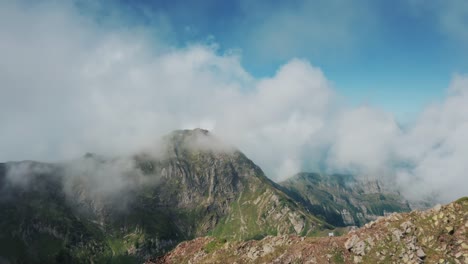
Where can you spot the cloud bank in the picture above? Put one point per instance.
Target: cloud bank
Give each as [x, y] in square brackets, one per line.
[71, 85]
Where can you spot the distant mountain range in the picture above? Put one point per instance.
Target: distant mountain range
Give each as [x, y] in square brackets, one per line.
[129, 209]
[343, 200]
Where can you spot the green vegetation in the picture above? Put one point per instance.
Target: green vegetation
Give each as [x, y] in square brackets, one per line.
[338, 257]
[214, 245]
[462, 200]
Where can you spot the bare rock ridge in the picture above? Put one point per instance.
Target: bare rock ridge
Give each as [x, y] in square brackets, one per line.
[438, 235]
[230, 194]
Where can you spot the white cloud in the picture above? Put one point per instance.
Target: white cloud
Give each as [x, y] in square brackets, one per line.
[437, 146]
[79, 88]
[69, 87]
[363, 141]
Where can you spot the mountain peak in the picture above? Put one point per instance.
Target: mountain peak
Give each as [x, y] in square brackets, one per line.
[190, 132]
[197, 139]
[182, 135]
[200, 130]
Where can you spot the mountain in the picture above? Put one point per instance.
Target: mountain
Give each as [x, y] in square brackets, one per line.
[229, 193]
[343, 200]
[439, 235]
[126, 209]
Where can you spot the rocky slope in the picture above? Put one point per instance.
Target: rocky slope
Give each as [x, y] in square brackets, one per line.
[127, 209]
[343, 200]
[438, 235]
[229, 194]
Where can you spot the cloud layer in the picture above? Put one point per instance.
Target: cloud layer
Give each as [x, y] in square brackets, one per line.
[71, 85]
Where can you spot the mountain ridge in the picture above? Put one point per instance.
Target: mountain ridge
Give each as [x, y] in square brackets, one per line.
[343, 200]
[98, 209]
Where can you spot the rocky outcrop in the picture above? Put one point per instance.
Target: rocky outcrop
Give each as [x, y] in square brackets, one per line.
[439, 235]
[228, 193]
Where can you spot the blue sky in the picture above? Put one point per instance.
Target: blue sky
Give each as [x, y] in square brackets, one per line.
[397, 55]
[330, 85]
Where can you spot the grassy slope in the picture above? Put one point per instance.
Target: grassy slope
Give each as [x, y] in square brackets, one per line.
[262, 212]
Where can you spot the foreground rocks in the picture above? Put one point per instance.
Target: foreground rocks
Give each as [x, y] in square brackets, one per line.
[438, 235]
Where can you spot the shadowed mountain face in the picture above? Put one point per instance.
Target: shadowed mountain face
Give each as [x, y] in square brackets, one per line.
[97, 209]
[343, 200]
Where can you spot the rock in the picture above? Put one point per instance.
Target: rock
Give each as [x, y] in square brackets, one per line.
[405, 258]
[297, 222]
[347, 217]
[267, 249]
[370, 224]
[351, 242]
[420, 253]
[357, 259]
[407, 227]
[359, 248]
[253, 253]
[441, 215]
[395, 217]
[437, 208]
[397, 234]
[449, 229]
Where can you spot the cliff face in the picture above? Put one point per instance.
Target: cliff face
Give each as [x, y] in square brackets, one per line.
[343, 200]
[438, 235]
[99, 209]
[223, 192]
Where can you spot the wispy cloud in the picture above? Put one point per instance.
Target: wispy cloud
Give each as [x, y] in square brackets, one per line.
[70, 85]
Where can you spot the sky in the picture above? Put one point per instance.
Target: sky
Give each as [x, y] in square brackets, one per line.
[374, 88]
[398, 55]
